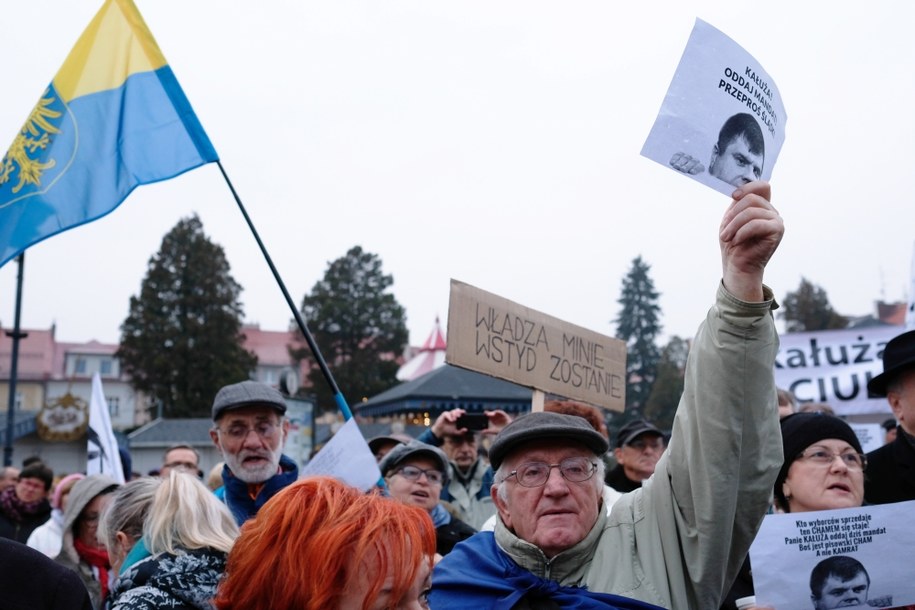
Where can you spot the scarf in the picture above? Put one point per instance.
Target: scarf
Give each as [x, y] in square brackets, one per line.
[478, 574]
[98, 559]
[16, 509]
[440, 516]
[138, 553]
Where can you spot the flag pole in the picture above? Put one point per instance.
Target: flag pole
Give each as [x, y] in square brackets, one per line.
[15, 335]
[300, 321]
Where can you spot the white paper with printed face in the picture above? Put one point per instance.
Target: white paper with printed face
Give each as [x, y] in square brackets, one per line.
[722, 122]
[837, 558]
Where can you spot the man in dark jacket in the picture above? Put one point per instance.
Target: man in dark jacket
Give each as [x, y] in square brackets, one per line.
[250, 429]
[639, 446]
[891, 468]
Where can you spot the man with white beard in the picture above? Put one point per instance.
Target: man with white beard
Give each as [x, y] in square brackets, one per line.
[250, 429]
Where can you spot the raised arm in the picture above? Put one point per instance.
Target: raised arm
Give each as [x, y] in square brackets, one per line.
[711, 488]
[750, 232]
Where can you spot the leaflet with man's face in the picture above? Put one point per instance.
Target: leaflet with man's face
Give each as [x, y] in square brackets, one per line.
[722, 122]
[843, 558]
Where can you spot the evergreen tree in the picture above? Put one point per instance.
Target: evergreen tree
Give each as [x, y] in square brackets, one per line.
[808, 309]
[668, 387]
[638, 325]
[359, 327]
[182, 338]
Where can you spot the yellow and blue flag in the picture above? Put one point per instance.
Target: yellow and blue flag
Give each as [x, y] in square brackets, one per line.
[114, 117]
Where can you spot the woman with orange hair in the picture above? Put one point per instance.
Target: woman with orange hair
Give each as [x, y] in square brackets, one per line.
[322, 545]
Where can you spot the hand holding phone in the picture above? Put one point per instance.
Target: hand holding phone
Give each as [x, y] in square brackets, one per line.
[472, 421]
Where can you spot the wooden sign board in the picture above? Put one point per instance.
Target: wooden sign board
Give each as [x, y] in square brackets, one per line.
[497, 337]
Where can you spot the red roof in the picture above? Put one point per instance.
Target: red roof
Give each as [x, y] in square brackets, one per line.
[431, 356]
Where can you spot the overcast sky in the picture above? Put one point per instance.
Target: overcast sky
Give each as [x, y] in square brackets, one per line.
[492, 142]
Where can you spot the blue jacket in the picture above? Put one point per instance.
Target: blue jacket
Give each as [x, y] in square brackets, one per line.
[235, 491]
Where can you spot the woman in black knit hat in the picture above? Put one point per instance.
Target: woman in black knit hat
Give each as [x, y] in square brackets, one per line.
[823, 469]
[824, 465]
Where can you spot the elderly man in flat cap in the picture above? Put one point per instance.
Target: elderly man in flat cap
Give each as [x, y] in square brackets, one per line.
[250, 428]
[678, 541]
[891, 468]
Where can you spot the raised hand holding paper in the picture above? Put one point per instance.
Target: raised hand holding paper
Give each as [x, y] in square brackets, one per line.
[722, 122]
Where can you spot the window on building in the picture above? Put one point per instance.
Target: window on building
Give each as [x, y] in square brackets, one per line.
[114, 405]
[105, 367]
[80, 367]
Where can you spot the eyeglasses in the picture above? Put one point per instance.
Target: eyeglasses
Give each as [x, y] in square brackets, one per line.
[824, 457]
[239, 432]
[412, 473]
[536, 474]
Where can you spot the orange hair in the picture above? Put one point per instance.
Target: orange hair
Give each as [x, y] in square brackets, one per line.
[306, 543]
[590, 414]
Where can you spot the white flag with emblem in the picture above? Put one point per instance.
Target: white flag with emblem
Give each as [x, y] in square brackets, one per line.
[102, 449]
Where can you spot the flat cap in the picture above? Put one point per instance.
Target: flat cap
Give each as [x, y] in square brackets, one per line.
[414, 448]
[633, 429]
[545, 425]
[245, 394]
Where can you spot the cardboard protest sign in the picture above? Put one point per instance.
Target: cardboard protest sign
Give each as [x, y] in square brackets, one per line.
[794, 555]
[722, 122]
[834, 366]
[492, 335]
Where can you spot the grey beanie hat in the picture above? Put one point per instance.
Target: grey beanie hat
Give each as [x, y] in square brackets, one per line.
[247, 393]
[546, 425]
[82, 494]
[414, 448]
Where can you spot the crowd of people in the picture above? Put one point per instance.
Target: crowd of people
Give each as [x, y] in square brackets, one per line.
[529, 513]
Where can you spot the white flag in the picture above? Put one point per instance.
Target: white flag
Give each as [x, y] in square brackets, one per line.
[102, 450]
[347, 457]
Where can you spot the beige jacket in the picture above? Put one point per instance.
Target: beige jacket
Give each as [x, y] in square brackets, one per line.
[679, 540]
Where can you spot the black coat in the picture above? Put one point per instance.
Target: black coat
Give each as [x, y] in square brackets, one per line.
[446, 536]
[618, 480]
[20, 531]
[890, 474]
[31, 581]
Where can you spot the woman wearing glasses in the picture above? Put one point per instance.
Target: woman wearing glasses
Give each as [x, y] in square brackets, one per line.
[414, 473]
[80, 549]
[824, 469]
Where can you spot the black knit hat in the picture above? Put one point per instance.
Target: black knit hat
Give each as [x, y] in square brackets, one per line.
[801, 430]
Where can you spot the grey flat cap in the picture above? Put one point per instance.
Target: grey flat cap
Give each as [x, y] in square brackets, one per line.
[545, 425]
[414, 448]
[245, 394]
